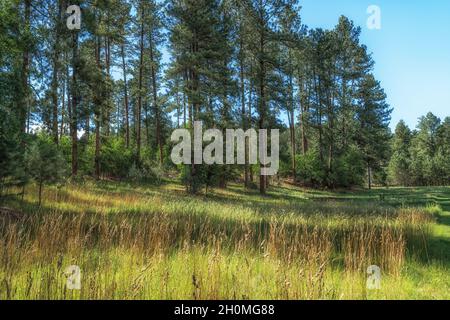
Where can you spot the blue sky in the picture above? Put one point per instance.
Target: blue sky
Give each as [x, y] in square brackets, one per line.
[411, 51]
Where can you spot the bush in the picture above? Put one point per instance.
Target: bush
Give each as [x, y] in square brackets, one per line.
[11, 153]
[115, 158]
[310, 169]
[348, 170]
[146, 173]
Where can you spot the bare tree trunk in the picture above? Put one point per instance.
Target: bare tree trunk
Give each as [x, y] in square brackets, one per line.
[107, 112]
[292, 140]
[40, 192]
[24, 100]
[331, 139]
[97, 147]
[147, 123]
[56, 60]
[249, 121]
[302, 108]
[127, 116]
[244, 116]
[97, 116]
[317, 89]
[140, 80]
[194, 114]
[291, 117]
[369, 175]
[155, 104]
[63, 110]
[178, 103]
[262, 111]
[184, 110]
[303, 124]
[55, 101]
[74, 118]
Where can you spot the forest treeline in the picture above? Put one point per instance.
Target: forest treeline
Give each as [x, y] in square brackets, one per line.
[103, 101]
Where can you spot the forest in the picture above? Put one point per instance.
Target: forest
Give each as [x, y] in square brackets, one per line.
[86, 117]
[102, 101]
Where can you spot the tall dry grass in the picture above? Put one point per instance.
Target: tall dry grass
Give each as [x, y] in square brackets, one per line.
[128, 249]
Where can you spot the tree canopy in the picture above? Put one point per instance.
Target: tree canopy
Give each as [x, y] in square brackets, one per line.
[110, 94]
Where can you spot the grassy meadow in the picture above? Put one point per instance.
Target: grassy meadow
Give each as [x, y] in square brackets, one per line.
[148, 242]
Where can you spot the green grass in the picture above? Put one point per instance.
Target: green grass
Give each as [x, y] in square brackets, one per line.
[156, 242]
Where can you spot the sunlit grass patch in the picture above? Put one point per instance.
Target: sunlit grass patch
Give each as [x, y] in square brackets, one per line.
[145, 242]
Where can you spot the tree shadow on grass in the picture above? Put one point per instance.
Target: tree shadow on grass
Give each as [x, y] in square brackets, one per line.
[281, 200]
[439, 245]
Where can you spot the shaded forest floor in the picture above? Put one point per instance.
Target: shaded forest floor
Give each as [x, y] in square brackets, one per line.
[135, 241]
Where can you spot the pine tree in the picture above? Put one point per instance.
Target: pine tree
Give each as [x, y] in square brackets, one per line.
[292, 34]
[195, 45]
[373, 115]
[45, 163]
[424, 149]
[265, 18]
[400, 162]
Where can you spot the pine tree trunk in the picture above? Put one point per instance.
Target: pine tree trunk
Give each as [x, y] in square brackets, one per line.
[331, 146]
[127, 116]
[97, 118]
[155, 104]
[40, 192]
[244, 116]
[249, 122]
[55, 101]
[291, 117]
[107, 111]
[63, 110]
[97, 147]
[54, 86]
[293, 148]
[369, 176]
[303, 124]
[178, 108]
[140, 80]
[303, 110]
[194, 115]
[74, 118]
[184, 111]
[317, 89]
[262, 111]
[24, 99]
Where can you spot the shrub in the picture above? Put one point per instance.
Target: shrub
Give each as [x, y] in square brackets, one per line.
[309, 169]
[115, 158]
[146, 173]
[348, 169]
